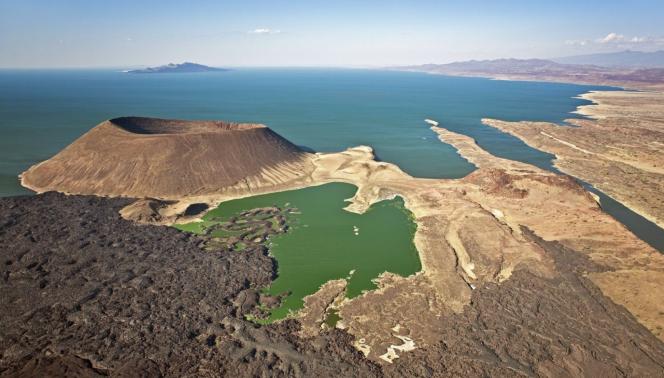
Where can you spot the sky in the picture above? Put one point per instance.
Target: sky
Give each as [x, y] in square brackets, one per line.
[358, 33]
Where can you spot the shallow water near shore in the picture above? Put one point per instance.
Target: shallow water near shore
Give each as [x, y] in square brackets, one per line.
[325, 242]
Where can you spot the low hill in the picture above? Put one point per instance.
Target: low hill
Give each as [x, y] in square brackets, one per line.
[177, 68]
[505, 67]
[169, 159]
[547, 70]
[628, 58]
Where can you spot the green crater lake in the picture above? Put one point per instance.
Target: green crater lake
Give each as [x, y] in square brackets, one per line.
[325, 242]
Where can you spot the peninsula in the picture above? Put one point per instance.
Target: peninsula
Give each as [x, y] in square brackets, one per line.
[619, 149]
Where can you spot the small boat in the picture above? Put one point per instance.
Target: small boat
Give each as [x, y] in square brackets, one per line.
[431, 122]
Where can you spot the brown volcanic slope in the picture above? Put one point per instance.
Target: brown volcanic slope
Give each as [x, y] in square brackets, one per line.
[148, 157]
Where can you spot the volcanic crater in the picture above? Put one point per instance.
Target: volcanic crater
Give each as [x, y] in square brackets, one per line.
[169, 159]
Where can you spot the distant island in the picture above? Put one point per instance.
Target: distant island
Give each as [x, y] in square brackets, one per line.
[186, 67]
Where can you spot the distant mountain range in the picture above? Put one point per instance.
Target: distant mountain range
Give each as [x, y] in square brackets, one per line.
[177, 68]
[547, 70]
[628, 59]
[503, 67]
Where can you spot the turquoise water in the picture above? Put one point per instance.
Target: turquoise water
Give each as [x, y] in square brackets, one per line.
[323, 109]
[326, 110]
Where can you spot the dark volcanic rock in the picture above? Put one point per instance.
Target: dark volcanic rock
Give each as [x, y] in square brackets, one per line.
[86, 293]
[531, 326]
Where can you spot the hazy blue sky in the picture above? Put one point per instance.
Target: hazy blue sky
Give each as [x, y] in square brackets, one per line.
[52, 33]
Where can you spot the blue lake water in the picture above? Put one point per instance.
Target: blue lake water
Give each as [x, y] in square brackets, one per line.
[323, 109]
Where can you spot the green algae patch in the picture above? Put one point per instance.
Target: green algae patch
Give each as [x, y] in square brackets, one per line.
[331, 318]
[323, 242]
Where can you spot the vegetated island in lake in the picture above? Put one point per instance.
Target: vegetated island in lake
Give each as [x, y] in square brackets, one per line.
[512, 257]
[186, 67]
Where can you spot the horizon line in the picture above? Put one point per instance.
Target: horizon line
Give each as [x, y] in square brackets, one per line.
[340, 66]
